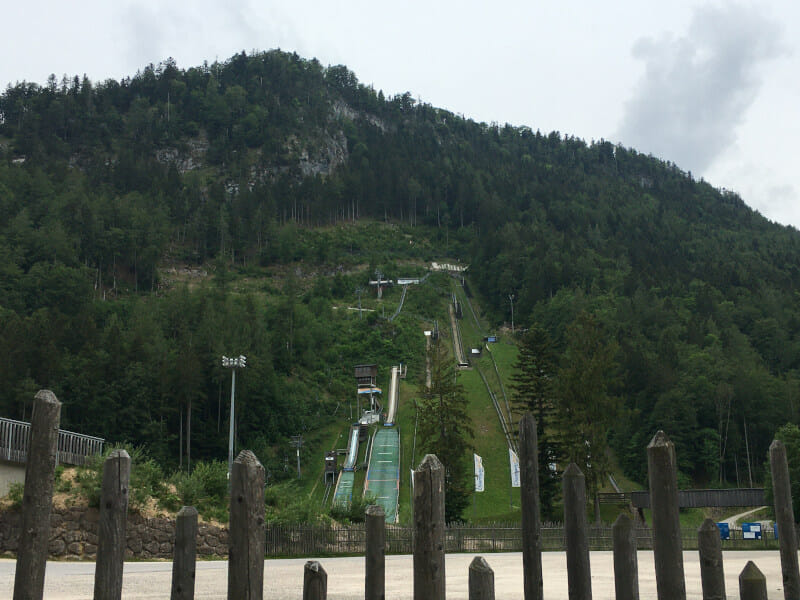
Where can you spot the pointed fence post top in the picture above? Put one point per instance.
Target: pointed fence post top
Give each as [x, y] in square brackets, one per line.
[623, 522]
[46, 396]
[572, 470]
[660, 440]
[751, 572]
[709, 525]
[119, 453]
[430, 463]
[315, 566]
[187, 511]
[776, 445]
[479, 564]
[248, 459]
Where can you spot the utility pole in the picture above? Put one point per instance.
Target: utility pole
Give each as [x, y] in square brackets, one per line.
[379, 282]
[297, 442]
[379, 277]
[511, 298]
[359, 291]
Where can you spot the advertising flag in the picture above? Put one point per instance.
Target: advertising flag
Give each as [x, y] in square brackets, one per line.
[514, 460]
[478, 473]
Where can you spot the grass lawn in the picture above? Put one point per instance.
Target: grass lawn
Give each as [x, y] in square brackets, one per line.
[498, 501]
[409, 456]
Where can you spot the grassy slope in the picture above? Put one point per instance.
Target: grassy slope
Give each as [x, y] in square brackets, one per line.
[499, 502]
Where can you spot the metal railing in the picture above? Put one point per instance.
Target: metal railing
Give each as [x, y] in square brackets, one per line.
[73, 448]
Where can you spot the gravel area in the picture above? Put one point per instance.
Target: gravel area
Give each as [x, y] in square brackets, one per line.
[283, 578]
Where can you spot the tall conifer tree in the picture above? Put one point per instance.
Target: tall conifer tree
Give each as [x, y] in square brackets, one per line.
[445, 429]
[533, 379]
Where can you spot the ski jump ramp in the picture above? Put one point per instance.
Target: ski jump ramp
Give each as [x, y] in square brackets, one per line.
[383, 473]
[344, 486]
[393, 393]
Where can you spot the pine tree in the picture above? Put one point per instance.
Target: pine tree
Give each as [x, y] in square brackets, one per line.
[585, 407]
[533, 391]
[445, 428]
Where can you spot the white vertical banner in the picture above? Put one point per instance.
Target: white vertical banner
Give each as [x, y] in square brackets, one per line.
[478, 472]
[514, 460]
[412, 480]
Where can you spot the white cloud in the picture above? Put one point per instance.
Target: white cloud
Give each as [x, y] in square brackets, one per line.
[697, 88]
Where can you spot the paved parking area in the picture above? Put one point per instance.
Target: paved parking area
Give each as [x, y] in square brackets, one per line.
[283, 578]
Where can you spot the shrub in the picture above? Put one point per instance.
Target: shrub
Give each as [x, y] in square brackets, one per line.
[147, 478]
[205, 488]
[354, 511]
[15, 493]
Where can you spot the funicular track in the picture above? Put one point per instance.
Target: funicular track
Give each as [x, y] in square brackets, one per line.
[504, 414]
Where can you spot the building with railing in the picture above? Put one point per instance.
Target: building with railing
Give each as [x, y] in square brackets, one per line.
[73, 449]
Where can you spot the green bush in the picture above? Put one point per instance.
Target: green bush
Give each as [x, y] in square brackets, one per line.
[205, 488]
[146, 480]
[61, 485]
[15, 493]
[354, 511]
[89, 479]
[286, 504]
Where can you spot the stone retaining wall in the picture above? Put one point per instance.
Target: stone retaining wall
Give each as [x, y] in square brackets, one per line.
[73, 535]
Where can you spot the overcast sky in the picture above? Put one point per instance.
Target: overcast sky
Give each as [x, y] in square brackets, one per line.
[711, 86]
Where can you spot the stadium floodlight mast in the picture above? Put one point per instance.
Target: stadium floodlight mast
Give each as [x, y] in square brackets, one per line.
[237, 362]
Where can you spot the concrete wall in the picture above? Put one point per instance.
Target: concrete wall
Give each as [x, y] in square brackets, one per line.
[10, 473]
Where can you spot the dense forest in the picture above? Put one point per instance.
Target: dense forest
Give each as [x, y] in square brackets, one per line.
[270, 165]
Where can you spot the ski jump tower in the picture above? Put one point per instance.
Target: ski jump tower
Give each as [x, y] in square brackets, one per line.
[367, 383]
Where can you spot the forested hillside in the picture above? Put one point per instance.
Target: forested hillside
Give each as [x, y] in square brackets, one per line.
[275, 169]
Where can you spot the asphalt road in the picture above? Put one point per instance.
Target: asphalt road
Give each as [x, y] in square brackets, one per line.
[283, 578]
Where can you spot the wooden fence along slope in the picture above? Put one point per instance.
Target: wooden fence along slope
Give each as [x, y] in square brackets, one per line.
[429, 539]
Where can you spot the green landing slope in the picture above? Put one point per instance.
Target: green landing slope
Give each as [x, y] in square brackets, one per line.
[383, 474]
[344, 489]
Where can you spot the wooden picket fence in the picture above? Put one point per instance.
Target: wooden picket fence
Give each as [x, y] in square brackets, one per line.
[428, 540]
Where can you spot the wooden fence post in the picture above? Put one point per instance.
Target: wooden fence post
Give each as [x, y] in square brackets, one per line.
[752, 583]
[787, 536]
[185, 554]
[712, 575]
[111, 527]
[579, 575]
[375, 573]
[481, 580]
[429, 533]
[246, 530]
[667, 546]
[529, 500]
[315, 581]
[626, 566]
[37, 498]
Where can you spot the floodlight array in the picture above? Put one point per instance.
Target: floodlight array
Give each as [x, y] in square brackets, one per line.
[236, 362]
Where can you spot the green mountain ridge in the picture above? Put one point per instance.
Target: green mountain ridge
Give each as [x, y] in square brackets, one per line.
[268, 167]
